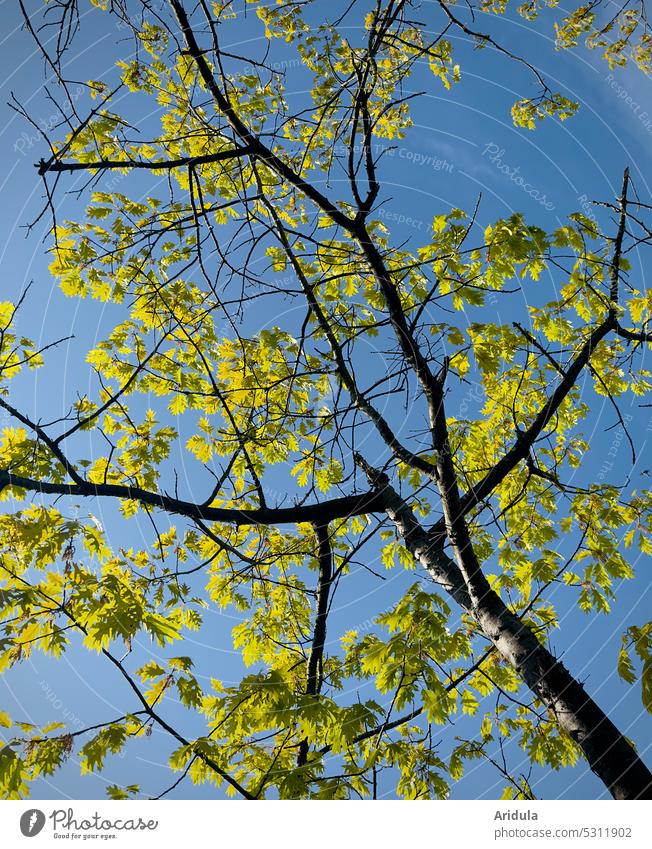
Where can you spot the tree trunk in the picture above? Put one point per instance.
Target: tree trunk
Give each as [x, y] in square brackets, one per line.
[609, 754]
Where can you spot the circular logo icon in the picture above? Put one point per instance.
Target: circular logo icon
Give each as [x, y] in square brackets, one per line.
[32, 822]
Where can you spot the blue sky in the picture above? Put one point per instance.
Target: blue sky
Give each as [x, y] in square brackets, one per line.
[463, 143]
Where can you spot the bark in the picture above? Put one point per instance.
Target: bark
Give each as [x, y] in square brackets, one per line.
[610, 755]
[322, 513]
[315, 674]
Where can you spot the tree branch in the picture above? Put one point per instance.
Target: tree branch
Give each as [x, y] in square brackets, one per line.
[56, 167]
[315, 674]
[336, 508]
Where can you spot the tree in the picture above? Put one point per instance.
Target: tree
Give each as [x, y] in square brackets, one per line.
[253, 203]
